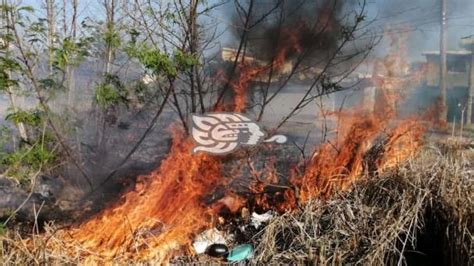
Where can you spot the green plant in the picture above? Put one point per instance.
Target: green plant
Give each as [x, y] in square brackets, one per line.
[32, 118]
[184, 61]
[111, 92]
[71, 53]
[112, 38]
[24, 162]
[161, 63]
[34, 156]
[106, 95]
[3, 229]
[7, 65]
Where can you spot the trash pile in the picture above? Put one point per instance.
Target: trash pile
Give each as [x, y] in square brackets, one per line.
[228, 242]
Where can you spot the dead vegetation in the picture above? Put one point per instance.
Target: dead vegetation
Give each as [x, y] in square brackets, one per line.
[419, 213]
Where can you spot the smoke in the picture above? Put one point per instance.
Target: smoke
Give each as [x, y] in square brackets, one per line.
[421, 20]
[317, 25]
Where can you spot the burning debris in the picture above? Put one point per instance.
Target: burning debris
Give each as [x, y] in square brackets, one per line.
[376, 221]
[261, 203]
[165, 211]
[384, 220]
[165, 214]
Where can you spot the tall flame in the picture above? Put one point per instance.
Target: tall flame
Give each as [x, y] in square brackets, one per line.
[335, 166]
[161, 214]
[367, 141]
[166, 208]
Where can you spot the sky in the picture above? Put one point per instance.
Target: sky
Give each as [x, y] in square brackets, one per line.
[422, 17]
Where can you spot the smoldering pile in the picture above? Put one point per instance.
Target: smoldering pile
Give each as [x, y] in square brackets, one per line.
[401, 216]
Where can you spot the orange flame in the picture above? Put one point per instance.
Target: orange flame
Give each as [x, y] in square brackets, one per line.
[161, 214]
[250, 73]
[335, 166]
[165, 210]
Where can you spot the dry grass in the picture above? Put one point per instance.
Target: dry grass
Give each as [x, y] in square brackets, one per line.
[382, 220]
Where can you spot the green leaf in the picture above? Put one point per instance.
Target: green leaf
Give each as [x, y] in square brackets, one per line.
[25, 161]
[6, 82]
[185, 61]
[31, 117]
[27, 9]
[154, 60]
[106, 95]
[70, 53]
[3, 229]
[112, 38]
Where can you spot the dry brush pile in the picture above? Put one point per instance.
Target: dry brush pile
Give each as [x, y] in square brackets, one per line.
[422, 211]
[419, 212]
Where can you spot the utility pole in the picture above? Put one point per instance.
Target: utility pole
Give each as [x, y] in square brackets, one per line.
[471, 84]
[443, 59]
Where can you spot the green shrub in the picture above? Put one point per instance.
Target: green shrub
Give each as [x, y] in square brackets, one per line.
[26, 161]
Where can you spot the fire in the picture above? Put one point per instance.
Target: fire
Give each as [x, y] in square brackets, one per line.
[401, 143]
[335, 166]
[282, 198]
[355, 150]
[166, 208]
[161, 214]
[248, 73]
[340, 162]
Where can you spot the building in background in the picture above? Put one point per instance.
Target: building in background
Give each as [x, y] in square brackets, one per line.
[460, 80]
[468, 43]
[459, 65]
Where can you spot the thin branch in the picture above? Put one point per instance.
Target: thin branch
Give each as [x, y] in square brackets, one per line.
[150, 127]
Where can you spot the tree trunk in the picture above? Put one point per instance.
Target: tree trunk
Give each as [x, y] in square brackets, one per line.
[51, 31]
[11, 96]
[110, 25]
[70, 69]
